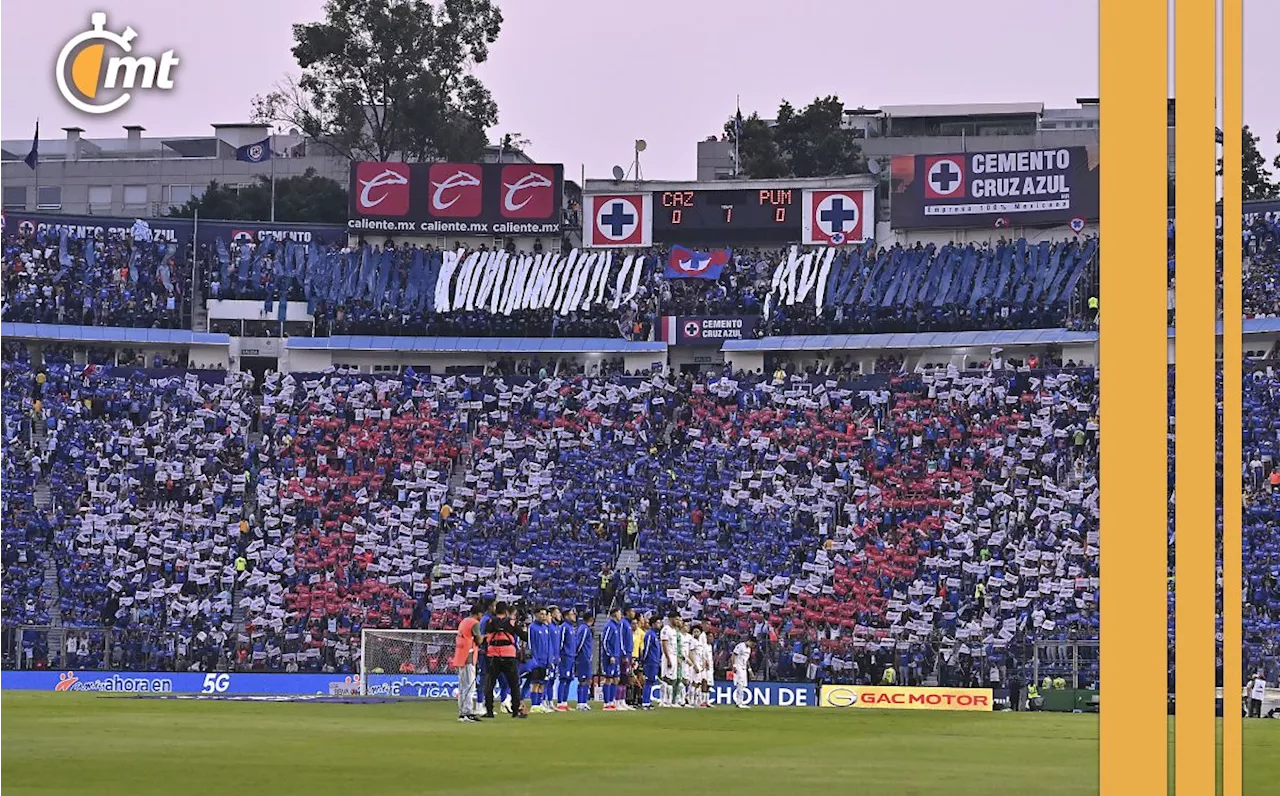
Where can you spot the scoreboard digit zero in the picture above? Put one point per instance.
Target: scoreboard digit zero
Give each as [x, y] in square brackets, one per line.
[727, 215]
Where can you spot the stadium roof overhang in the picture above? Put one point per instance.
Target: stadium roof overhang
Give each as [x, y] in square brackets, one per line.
[65, 333]
[518, 346]
[914, 341]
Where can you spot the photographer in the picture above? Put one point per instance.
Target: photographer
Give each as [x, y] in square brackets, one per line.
[502, 633]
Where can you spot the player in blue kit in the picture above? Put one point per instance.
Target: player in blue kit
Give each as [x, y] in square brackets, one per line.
[567, 654]
[541, 653]
[582, 642]
[651, 659]
[611, 657]
[556, 622]
[626, 659]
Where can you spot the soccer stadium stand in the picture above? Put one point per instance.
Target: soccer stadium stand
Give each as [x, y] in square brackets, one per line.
[148, 482]
[847, 519]
[945, 520]
[1261, 277]
[1262, 520]
[376, 289]
[112, 280]
[25, 529]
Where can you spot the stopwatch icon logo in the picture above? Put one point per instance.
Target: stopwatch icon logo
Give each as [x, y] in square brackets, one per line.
[96, 71]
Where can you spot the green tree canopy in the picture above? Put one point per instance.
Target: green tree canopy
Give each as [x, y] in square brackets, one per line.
[808, 143]
[1255, 178]
[308, 197]
[385, 78]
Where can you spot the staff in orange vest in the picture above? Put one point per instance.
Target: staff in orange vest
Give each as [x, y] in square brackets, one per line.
[465, 647]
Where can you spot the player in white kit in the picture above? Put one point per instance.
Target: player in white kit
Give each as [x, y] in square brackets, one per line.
[688, 645]
[741, 665]
[701, 668]
[670, 672]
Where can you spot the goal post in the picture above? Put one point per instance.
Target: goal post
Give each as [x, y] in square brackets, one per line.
[404, 653]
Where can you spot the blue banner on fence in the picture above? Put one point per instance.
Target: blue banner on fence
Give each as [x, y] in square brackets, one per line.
[425, 685]
[178, 230]
[430, 686]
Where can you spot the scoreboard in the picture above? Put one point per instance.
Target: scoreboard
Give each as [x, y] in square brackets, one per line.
[809, 211]
[727, 215]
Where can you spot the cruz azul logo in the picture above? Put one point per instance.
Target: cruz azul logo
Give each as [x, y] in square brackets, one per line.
[96, 71]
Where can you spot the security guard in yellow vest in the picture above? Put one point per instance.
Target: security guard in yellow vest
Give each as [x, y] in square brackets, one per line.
[1034, 701]
[241, 564]
[1059, 684]
[1046, 684]
[889, 677]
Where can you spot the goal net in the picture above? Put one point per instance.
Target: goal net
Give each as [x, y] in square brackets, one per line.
[404, 653]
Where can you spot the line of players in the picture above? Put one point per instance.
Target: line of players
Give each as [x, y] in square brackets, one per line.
[634, 652]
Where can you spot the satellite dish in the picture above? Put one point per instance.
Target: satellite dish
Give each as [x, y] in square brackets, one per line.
[641, 145]
[873, 166]
[618, 174]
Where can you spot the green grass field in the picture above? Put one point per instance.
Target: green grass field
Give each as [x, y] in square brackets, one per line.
[90, 744]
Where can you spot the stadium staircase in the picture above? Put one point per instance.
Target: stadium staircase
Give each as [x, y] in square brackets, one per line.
[628, 561]
[239, 610]
[199, 313]
[50, 589]
[40, 491]
[457, 480]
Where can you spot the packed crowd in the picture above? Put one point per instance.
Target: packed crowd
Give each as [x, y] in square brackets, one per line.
[1015, 284]
[55, 276]
[147, 481]
[1261, 521]
[349, 514]
[831, 519]
[24, 530]
[945, 521]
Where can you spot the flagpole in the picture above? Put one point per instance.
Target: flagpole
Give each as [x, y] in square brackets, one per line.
[195, 258]
[35, 144]
[271, 155]
[737, 133]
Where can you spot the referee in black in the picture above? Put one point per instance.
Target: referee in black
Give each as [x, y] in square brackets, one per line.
[500, 635]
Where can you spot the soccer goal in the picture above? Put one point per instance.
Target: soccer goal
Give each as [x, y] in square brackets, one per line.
[404, 652]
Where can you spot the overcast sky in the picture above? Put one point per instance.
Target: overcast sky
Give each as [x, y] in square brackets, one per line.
[583, 78]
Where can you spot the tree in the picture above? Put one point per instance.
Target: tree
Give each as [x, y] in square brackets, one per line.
[808, 143]
[1255, 179]
[391, 78]
[757, 150]
[308, 197]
